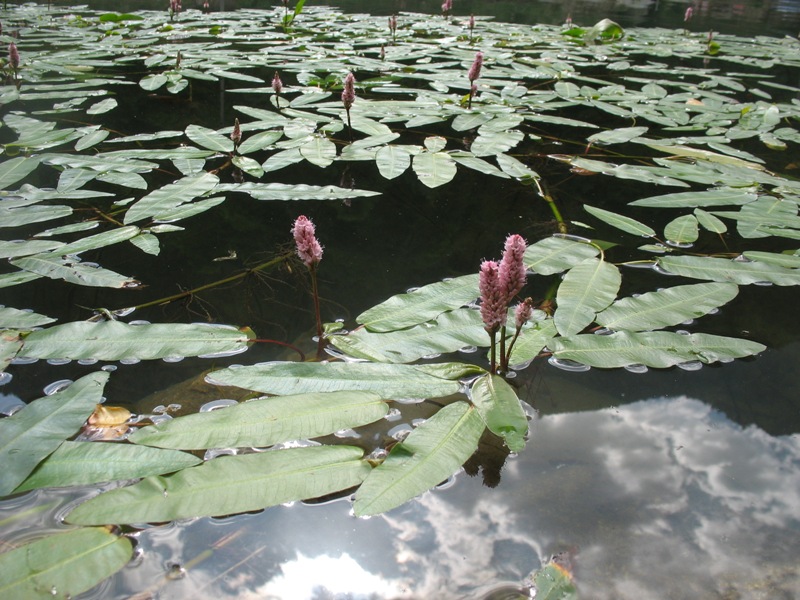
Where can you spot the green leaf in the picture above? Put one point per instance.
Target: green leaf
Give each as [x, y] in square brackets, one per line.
[666, 307]
[496, 142]
[515, 168]
[587, 288]
[31, 434]
[429, 455]
[319, 151]
[500, 409]
[54, 267]
[617, 136]
[64, 564]
[557, 254]
[392, 161]
[709, 222]
[622, 222]
[208, 138]
[13, 318]
[248, 165]
[228, 485]
[720, 197]
[266, 421]
[658, 349]
[420, 305]
[115, 340]
[300, 191]
[26, 248]
[790, 261]
[11, 171]
[171, 196]
[434, 168]
[723, 269]
[531, 341]
[451, 331]
[682, 230]
[388, 381]
[24, 215]
[84, 463]
[259, 141]
[553, 582]
[101, 107]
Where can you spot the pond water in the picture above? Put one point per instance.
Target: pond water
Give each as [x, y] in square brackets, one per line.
[679, 482]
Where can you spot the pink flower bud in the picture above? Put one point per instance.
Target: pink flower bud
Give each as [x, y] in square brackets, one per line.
[471, 22]
[236, 134]
[308, 248]
[523, 312]
[13, 56]
[475, 69]
[349, 91]
[277, 84]
[512, 273]
[688, 14]
[493, 303]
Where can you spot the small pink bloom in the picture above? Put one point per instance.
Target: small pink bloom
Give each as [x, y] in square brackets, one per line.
[349, 91]
[308, 248]
[688, 14]
[277, 84]
[493, 303]
[523, 312]
[471, 22]
[512, 273]
[475, 69]
[13, 56]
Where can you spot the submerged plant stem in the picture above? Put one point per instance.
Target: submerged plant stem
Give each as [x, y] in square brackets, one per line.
[315, 292]
[265, 265]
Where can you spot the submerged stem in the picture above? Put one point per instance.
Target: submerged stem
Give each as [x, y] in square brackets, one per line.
[315, 293]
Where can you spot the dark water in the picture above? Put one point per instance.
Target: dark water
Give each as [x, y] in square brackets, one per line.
[669, 484]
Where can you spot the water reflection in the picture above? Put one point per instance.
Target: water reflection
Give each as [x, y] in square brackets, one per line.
[661, 498]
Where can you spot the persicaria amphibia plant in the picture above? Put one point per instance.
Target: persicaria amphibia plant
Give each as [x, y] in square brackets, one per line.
[499, 284]
[473, 74]
[310, 252]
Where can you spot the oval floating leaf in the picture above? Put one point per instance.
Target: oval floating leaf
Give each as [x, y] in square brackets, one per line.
[209, 138]
[586, 289]
[166, 199]
[266, 421]
[228, 485]
[682, 230]
[666, 307]
[434, 168]
[114, 340]
[723, 269]
[557, 254]
[429, 455]
[64, 564]
[622, 222]
[392, 161]
[388, 381]
[500, 409]
[83, 463]
[31, 434]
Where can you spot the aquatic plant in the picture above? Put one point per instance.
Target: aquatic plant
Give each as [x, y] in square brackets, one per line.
[702, 130]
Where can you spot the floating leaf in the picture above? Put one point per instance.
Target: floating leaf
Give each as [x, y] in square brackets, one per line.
[13, 318]
[722, 197]
[666, 307]
[682, 230]
[659, 349]
[500, 409]
[587, 288]
[554, 582]
[434, 168]
[114, 340]
[55, 267]
[557, 254]
[496, 142]
[722, 269]
[85, 463]
[709, 222]
[64, 564]
[11, 171]
[208, 138]
[171, 196]
[617, 136]
[319, 151]
[451, 331]
[420, 305]
[392, 161]
[266, 421]
[388, 381]
[31, 434]
[429, 455]
[622, 222]
[229, 485]
[531, 341]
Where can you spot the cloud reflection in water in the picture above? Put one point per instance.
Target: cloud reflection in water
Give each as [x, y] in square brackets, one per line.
[664, 498]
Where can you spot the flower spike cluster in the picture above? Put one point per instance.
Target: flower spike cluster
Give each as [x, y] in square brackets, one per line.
[473, 74]
[499, 284]
[349, 91]
[308, 248]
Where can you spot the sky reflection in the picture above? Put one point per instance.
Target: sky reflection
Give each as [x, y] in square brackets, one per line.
[664, 498]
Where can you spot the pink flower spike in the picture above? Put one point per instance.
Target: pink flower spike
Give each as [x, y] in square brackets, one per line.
[475, 69]
[471, 22]
[277, 84]
[308, 248]
[512, 273]
[688, 15]
[13, 56]
[349, 91]
[493, 304]
[236, 134]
